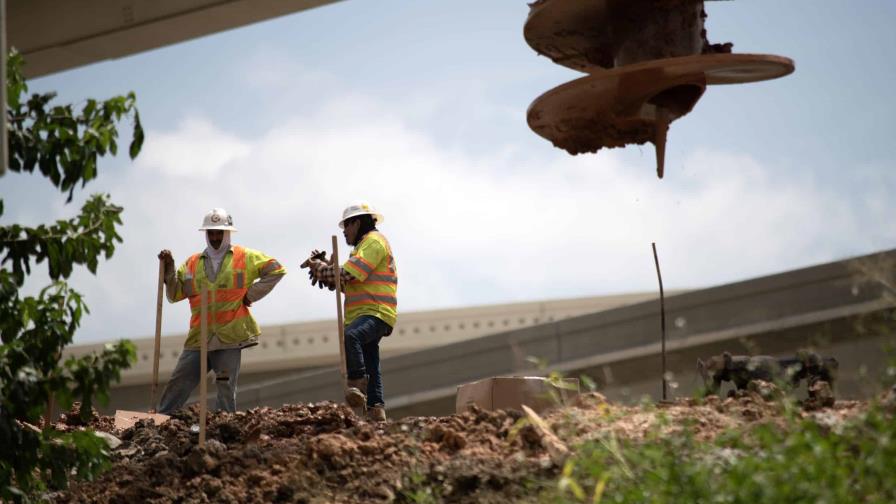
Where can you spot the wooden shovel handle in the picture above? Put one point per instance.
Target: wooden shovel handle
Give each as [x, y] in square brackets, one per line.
[158, 342]
[341, 328]
[203, 361]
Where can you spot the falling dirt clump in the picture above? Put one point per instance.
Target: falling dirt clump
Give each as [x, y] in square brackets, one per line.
[323, 453]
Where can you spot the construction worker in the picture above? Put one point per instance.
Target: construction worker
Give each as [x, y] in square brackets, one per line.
[370, 281]
[235, 277]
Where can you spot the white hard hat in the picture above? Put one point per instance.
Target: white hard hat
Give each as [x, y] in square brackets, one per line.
[217, 219]
[359, 208]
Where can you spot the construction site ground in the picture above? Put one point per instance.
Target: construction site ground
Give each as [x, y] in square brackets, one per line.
[322, 452]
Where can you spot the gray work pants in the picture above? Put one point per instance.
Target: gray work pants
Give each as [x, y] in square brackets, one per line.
[225, 364]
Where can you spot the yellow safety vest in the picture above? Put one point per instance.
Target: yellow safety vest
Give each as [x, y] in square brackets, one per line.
[374, 290]
[228, 317]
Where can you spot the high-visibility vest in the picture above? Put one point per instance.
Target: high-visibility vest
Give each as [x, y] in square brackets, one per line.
[374, 289]
[228, 317]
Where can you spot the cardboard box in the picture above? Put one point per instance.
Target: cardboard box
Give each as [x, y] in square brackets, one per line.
[125, 419]
[511, 392]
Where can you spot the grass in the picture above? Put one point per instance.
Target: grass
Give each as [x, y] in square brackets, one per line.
[801, 461]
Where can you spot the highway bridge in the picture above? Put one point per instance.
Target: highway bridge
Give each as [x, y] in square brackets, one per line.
[842, 309]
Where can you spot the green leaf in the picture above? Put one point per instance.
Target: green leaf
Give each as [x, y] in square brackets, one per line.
[137, 141]
[35, 329]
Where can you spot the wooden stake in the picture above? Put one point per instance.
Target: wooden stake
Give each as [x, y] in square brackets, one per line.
[203, 361]
[48, 415]
[338, 272]
[662, 315]
[158, 345]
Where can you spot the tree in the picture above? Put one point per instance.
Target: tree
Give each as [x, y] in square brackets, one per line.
[64, 146]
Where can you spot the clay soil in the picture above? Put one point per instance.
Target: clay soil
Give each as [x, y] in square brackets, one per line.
[323, 453]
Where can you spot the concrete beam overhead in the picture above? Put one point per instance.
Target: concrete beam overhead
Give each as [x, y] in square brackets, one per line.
[58, 35]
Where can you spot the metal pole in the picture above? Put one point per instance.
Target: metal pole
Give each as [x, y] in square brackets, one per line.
[662, 315]
[4, 145]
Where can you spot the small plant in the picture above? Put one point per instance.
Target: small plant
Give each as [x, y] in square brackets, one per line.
[800, 461]
[418, 490]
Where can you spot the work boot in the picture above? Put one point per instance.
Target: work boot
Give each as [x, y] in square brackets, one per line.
[356, 393]
[376, 413]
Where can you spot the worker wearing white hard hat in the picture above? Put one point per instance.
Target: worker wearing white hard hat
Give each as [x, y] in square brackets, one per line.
[370, 281]
[360, 208]
[235, 277]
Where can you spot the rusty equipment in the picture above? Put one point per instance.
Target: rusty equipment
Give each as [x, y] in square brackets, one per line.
[648, 63]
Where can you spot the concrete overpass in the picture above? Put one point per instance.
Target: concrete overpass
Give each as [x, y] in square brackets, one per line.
[57, 35]
[837, 308]
[290, 348]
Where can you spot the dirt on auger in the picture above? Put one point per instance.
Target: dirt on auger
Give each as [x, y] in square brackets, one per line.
[323, 453]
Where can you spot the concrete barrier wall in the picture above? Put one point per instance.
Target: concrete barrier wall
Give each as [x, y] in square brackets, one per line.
[823, 306]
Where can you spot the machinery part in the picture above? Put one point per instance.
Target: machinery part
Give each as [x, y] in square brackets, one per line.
[649, 63]
[589, 36]
[613, 108]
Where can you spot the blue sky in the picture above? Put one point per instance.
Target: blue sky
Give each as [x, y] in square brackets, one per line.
[419, 107]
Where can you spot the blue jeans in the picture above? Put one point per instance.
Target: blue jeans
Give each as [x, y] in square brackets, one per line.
[225, 364]
[362, 354]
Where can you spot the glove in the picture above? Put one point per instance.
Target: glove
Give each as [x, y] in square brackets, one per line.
[316, 255]
[168, 260]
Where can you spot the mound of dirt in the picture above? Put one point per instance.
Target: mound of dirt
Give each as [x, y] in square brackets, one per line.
[323, 453]
[319, 453]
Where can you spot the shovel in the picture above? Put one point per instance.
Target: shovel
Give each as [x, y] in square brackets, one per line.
[124, 418]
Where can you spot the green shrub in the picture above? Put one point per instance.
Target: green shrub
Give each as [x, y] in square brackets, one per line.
[62, 145]
[793, 461]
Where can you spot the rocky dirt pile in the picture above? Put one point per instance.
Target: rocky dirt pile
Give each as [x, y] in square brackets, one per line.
[323, 453]
[318, 453]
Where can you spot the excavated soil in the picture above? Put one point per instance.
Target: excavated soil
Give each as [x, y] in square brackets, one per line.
[323, 453]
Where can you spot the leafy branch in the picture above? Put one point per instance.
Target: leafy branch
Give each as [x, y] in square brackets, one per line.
[64, 147]
[62, 144]
[79, 240]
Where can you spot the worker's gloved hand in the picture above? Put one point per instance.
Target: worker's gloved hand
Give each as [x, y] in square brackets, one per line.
[168, 260]
[314, 266]
[316, 255]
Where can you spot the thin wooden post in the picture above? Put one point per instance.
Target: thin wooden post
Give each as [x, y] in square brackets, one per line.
[338, 273]
[158, 343]
[203, 361]
[48, 415]
[662, 315]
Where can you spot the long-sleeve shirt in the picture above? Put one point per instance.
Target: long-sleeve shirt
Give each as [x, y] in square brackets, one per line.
[326, 276]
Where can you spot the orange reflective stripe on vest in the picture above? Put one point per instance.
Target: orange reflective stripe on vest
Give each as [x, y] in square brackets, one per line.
[377, 293]
[225, 304]
[220, 317]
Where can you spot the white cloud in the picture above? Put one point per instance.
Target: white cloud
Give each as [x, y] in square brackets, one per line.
[196, 149]
[479, 209]
[466, 229]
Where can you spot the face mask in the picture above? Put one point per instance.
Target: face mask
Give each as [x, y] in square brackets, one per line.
[217, 255]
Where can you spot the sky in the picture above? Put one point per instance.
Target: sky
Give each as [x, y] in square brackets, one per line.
[419, 108]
